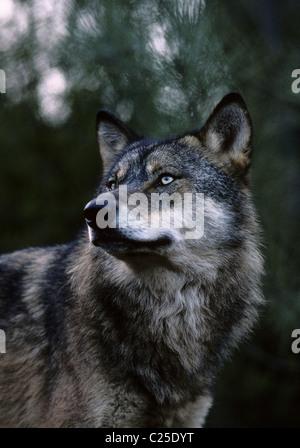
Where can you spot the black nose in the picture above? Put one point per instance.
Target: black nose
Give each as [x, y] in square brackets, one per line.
[90, 212]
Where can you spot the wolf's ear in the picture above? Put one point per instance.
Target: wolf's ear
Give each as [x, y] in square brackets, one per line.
[228, 132]
[113, 135]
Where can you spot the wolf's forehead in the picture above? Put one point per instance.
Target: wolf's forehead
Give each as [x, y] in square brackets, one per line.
[150, 157]
[129, 161]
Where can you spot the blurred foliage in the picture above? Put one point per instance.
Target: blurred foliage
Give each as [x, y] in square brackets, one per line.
[160, 65]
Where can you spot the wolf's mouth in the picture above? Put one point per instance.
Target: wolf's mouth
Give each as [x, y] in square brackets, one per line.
[113, 243]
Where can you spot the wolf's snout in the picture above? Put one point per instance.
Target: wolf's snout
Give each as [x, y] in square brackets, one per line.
[90, 213]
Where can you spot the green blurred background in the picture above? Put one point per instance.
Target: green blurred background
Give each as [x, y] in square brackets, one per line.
[161, 66]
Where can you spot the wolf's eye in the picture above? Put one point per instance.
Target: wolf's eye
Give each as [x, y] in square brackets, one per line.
[166, 179]
[111, 185]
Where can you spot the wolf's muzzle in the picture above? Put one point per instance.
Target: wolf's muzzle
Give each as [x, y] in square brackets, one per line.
[116, 240]
[90, 213]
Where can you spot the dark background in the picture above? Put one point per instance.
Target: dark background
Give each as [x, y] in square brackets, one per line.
[161, 66]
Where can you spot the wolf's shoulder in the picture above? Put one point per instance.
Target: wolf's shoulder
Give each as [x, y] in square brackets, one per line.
[32, 265]
[29, 256]
[32, 279]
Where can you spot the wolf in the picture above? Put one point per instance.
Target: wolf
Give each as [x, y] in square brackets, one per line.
[127, 326]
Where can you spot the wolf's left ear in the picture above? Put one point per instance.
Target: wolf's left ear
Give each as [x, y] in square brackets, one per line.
[113, 135]
[228, 132]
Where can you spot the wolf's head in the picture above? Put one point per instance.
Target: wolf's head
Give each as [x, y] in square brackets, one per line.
[175, 197]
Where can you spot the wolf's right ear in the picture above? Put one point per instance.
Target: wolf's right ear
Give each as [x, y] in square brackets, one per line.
[113, 135]
[228, 134]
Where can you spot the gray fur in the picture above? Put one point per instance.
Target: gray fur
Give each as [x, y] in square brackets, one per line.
[107, 334]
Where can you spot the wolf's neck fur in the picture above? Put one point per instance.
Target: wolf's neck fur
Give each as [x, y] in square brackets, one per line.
[158, 322]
